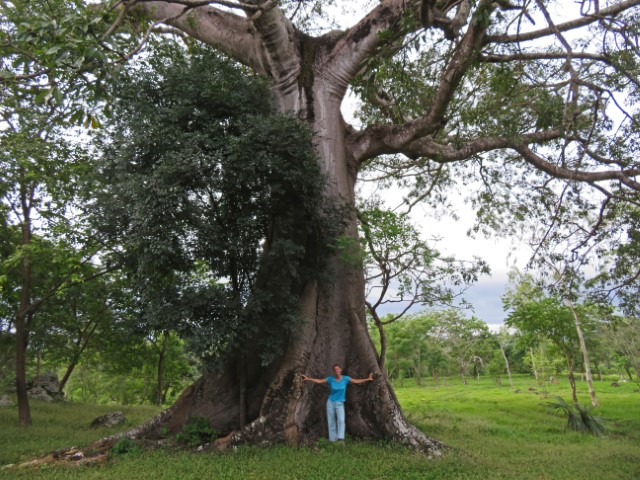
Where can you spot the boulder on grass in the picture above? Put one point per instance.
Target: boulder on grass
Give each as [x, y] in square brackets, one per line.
[5, 401]
[48, 381]
[39, 393]
[110, 419]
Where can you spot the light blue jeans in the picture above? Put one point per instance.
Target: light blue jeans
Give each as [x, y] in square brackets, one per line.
[335, 419]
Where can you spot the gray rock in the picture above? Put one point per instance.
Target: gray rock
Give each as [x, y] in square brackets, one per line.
[5, 401]
[48, 381]
[39, 393]
[110, 419]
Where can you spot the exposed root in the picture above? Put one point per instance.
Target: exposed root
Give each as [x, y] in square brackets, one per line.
[72, 456]
[137, 432]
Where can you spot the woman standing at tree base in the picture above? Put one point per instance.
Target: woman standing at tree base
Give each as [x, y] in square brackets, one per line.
[335, 403]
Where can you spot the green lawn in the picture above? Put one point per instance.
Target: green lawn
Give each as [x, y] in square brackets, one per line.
[492, 433]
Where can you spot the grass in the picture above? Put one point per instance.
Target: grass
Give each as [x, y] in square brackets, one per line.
[59, 425]
[492, 433]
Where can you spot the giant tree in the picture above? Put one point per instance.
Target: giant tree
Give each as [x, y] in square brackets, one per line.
[503, 88]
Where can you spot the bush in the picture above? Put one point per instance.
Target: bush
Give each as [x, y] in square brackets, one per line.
[579, 417]
[196, 431]
[124, 446]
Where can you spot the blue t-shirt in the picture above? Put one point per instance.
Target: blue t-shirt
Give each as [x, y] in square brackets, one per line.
[338, 388]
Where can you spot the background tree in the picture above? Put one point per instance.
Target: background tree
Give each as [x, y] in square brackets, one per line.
[466, 340]
[402, 270]
[72, 320]
[39, 181]
[538, 315]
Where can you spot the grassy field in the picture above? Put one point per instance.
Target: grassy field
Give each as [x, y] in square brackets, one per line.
[491, 431]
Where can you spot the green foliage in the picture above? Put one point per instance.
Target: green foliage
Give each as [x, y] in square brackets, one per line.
[122, 367]
[216, 200]
[56, 54]
[436, 343]
[196, 431]
[579, 417]
[539, 315]
[124, 446]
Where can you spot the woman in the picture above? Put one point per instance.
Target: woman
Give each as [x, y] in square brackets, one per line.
[335, 402]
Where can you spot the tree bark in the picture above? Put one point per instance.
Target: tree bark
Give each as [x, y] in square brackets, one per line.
[162, 353]
[382, 357]
[533, 364]
[572, 377]
[506, 362]
[585, 355]
[24, 313]
[22, 340]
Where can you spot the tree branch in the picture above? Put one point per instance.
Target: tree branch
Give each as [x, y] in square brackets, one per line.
[444, 152]
[364, 39]
[378, 32]
[624, 176]
[229, 32]
[279, 39]
[563, 27]
[379, 139]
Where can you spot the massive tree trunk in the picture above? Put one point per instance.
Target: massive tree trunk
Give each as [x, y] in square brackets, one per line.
[280, 407]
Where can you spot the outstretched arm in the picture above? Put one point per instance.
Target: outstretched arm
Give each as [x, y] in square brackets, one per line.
[314, 380]
[362, 380]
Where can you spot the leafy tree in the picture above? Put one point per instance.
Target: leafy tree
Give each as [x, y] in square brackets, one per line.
[453, 89]
[71, 321]
[47, 248]
[539, 315]
[212, 197]
[623, 336]
[466, 340]
[411, 351]
[402, 269]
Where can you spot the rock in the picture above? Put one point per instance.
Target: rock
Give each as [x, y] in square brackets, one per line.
[110, 419]
[48, 381]
[615, 384]
[5, 401]
[39, 393]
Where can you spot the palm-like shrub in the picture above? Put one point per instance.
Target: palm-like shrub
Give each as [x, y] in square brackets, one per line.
[579, 417]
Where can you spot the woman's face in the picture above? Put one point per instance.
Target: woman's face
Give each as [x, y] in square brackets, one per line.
[337, 370]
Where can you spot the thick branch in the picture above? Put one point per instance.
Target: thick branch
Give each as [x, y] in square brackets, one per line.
[376, 34]
[229, 32]
[364, 39]
[280, 41]
[444, 152]
[624, 176]
[379, 139]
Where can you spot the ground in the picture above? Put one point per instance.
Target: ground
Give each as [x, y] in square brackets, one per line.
[491, 432]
